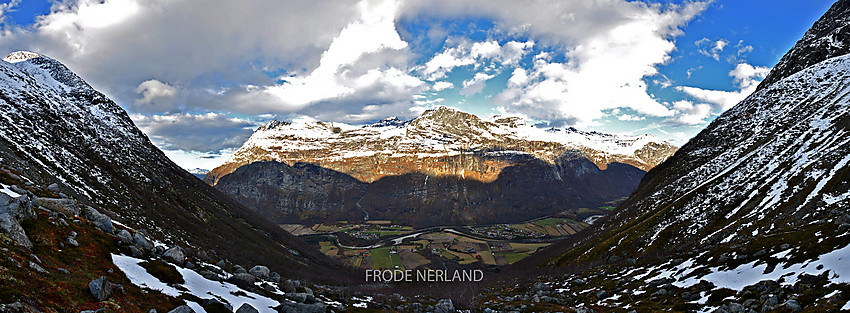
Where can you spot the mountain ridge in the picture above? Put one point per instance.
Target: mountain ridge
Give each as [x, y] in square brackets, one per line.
[440, 141]
[57, 129]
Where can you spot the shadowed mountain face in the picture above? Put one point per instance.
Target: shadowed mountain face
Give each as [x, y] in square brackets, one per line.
[528, 189]
[57, 128]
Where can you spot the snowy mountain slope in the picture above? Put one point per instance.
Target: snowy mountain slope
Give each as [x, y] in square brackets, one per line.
[749, 216]
[425, 144]
[54, 127]
[767, 183]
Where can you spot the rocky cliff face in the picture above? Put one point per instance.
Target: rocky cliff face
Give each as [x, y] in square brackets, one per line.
[440, 142]
[528, 189]
[55, 128]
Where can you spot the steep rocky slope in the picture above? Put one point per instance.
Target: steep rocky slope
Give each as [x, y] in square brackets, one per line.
[55, 128]
[749, 216]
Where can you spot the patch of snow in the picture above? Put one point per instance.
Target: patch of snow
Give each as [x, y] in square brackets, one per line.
[139, 276]
[196, 307]
[196, 285]
[9, 191]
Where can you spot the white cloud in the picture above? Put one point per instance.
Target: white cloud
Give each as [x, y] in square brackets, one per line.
[711, 48]
[442, 85]
[337, 76]
[743, 49]
[518, 78]
[690, 113]
[629, 117]
[605, 68]
[745, 76]
[156, 96]
[6, 7]
[475, 84]
[474, 53]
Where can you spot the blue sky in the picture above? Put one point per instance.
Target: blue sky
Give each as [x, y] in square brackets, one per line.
[197, 76]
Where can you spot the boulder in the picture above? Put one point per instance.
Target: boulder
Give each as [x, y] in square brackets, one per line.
[288, 286]
[259, 271]
[298, 297]
[275, 277]
[54, 188]
[238, 269]
[135, 252]
[11, 226]
[246, 308]
[100, 288]
[302, 308]
[243, 280]
[125, 236]
[182, 309]
[100, 220]
[38, 268]
[72, 241]
[213, 306]
[67, 206]
[174, 255]
[444, 306]
[142, 242]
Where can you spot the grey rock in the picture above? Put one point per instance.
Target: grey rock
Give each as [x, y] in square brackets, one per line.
[54, 187]
[174, 255]
[308, 291]
[100, 220]
[210, 275]
[64, 271]
[34, 266]
[288, 286]
[243, 280]
[238, 269]
[221, 264]
[182, 309]
[260, 271]
[792, 305]
[215, 305]
[5, 199]
[100, 288]
[275, 277]
[602, 294]
[302, 308]
[72, 241]
[298, 297]
[158, 250]
[67, 206]
[142, 242]
[125, 236]
[444, 306]
[11, 226]
[190, 265]
[735, 307]
[152, 311]
[135, 252]
[246, 308]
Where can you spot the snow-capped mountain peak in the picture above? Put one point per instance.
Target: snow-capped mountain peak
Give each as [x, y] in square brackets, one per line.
[437, 133]
[20, 56]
